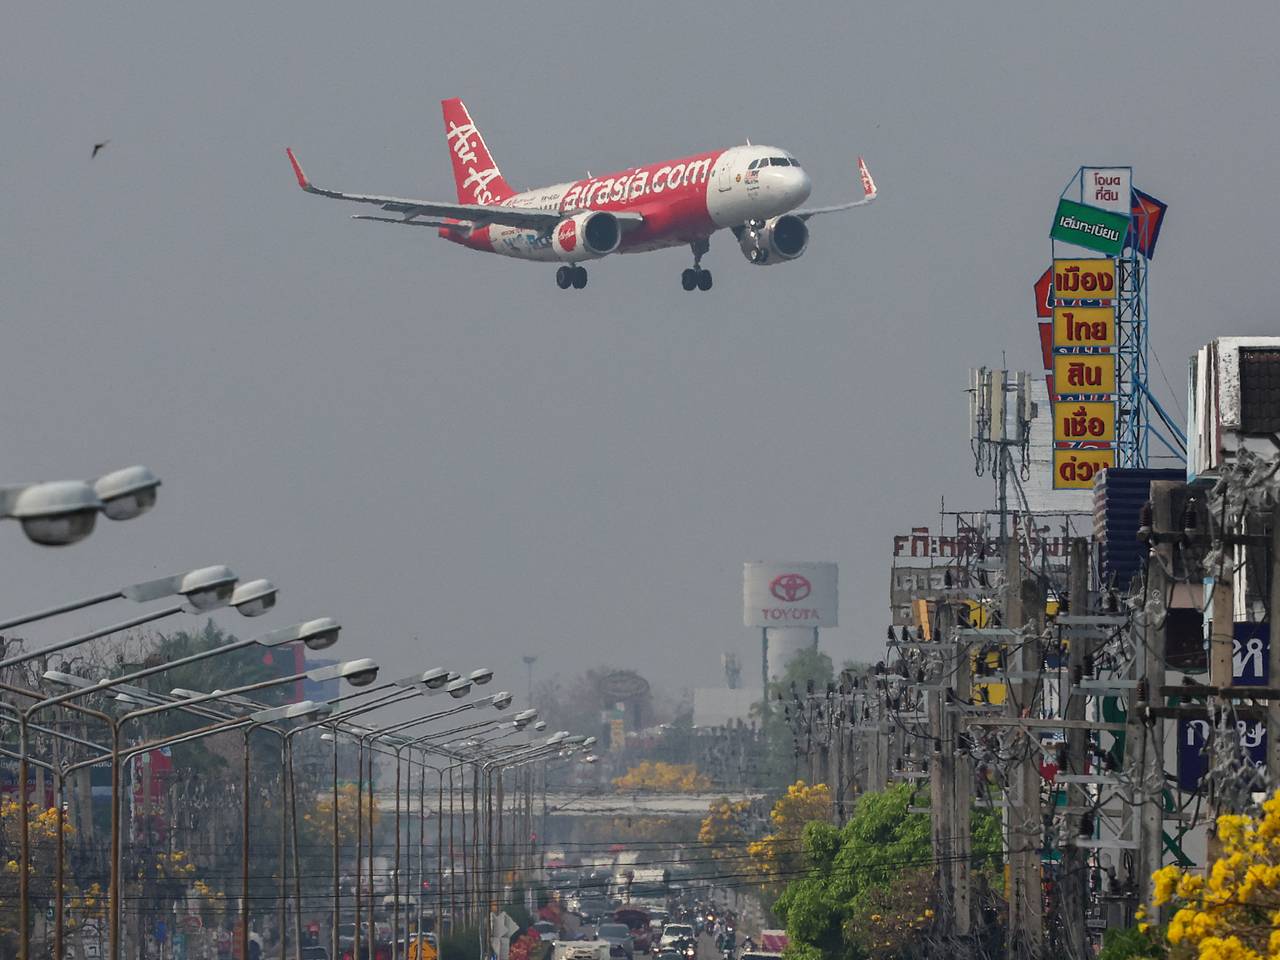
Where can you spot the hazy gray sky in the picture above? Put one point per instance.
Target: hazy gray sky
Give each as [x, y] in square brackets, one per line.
[461, 462]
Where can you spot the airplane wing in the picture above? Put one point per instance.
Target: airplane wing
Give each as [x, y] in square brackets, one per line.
[474, 214]
[868, 195]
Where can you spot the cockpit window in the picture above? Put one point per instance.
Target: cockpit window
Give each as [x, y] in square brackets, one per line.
[779, 162]
[753, 165]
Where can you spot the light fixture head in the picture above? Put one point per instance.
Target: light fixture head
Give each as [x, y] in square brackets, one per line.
[482, 676]
[502, 699]
[435, 678]
[359, 673]
[127, 493]
[254, 598]
[525, 716]
[56, 513]
[589, 742]
[208, 587]
[458, 688]
[540, 725]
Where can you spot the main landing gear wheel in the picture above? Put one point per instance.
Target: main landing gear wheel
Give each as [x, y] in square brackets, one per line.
[695, 278]
[567, 277]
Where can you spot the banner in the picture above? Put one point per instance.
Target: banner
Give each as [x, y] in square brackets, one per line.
[1144, 228]
[1084, 373]
[1090, 227]
[1075, 469]
[1044, 294]
[1106, 187]
[1093, 421]
[1084, 327]
[1092, 279]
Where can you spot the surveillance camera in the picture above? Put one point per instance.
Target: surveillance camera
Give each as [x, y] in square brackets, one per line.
[57, 513]
[481, 676]
[435, 678]
[127, 493]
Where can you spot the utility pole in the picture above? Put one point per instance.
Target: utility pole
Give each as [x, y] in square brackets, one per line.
[1221, 647]
[1026, 924]
[1273, 653]
[962, 789]
[942, 784]
[1155, 597]
[1075, 863]
[529, 661]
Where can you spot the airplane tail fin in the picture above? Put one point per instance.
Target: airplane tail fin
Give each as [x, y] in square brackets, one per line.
[868, 185]
[475, 173]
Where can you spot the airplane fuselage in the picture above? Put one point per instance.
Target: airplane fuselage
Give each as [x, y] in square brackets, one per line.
[682, 201]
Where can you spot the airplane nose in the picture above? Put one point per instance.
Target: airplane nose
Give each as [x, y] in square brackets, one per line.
[800, 185]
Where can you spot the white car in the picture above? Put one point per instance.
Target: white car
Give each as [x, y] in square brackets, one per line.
[675, 931]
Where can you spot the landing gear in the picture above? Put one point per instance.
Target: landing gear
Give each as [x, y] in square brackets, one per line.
[575, 277]
[695, 277]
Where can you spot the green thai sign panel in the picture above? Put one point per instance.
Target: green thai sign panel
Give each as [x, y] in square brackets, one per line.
[1090, 227]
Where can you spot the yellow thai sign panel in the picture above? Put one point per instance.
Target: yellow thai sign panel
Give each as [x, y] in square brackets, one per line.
[1084, 373]
[1084, 327]
[1092, 279]
[1075, 469]
[1076, 421]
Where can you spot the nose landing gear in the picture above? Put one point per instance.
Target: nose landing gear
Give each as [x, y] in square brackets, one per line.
[695, 276]
[567, 276]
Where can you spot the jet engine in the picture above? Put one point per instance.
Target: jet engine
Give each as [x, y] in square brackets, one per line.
[775, 241]
[586, 236]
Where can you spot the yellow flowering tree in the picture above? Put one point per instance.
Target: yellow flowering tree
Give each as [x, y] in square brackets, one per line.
[1234, 913]
[724, 829]
[42, 835]
[779, 853]
[663, 777]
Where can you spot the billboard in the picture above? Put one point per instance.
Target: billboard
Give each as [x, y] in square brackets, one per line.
[1089, 421]
[1084, 327]
[1090, 227]
[1090, 278]
[1075, 469]
[1084, 373]
[789, 594]
[1107, 187]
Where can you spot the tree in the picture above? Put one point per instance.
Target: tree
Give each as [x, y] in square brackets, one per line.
[866, 889]
[1234, 914]
[724, 832]
[42, 835]
[779, 853]
[663, 777]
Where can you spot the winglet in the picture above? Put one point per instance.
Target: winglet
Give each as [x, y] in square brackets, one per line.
[305, 184]
[868, 185]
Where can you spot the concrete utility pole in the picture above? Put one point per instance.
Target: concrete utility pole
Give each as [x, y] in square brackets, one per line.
[1026, 922]
[1074, 882]
[961, 792]
[1221, 648]
[942, 769]
[1151, 751]
[1273, 605]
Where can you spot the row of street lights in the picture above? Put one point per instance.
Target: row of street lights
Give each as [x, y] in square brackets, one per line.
[62, 512]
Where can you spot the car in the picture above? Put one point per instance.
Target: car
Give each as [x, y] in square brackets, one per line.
[619, 937]
[673, 932]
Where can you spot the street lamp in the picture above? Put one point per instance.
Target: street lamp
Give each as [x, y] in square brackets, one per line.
[316, 634]
[60, 512]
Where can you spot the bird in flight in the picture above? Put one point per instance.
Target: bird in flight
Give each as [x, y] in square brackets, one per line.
[97, 147]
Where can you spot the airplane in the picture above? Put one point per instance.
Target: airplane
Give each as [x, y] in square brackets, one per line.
[754, 191]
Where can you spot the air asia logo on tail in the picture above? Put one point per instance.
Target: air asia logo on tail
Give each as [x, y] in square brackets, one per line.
[476, 175]
[567, 236]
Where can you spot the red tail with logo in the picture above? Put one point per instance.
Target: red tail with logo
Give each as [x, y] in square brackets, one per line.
[474, 171]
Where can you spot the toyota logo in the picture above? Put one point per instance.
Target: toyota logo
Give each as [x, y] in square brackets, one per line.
[790, 587]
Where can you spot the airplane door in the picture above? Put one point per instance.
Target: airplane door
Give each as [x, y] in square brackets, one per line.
[724, 178]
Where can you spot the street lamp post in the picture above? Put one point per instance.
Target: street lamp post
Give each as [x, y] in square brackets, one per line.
[60, 512]
[316, 634]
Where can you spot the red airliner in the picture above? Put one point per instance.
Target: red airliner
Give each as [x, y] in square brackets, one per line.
[755, 191]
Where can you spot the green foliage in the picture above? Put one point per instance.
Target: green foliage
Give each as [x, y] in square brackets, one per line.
[1124, 944]
[858, 870]
[460, 943]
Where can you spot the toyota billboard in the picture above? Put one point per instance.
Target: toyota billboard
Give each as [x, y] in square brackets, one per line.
[789, 594]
